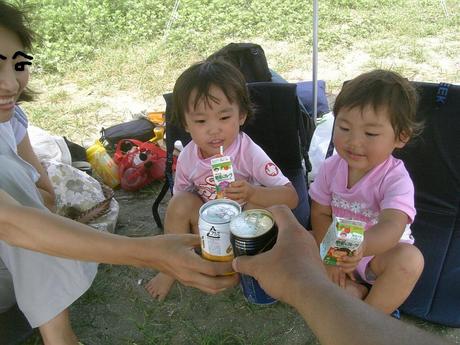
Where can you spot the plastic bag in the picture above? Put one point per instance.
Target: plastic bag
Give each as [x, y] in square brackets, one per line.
[49, 147]
[320, 143]
[139, 163]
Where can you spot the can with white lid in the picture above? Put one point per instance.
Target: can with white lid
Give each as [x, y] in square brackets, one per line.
[213, 224]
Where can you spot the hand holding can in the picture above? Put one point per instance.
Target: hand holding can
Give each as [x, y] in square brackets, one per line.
[253, 232]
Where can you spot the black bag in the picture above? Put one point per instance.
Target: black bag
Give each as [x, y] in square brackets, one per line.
[249, 58]
[77, 152]
[140, 129]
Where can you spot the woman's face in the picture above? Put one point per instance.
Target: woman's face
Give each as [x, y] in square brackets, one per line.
[14, 72]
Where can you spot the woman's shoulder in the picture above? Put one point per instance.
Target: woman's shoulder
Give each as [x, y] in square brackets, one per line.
[19, 117]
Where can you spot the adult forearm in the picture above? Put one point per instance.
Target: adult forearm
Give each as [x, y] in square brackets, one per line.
[337, 318]
[51, 234]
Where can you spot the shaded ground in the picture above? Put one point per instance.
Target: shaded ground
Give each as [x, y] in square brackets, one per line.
[118, 311]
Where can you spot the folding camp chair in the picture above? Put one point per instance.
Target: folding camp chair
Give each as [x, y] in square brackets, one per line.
[275, 128]
[433, 162]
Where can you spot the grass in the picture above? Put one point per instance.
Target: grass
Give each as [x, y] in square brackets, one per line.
[89, 52]
[100, 62]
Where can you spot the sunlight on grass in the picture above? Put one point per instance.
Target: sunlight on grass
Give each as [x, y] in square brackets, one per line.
[101, 63]
[353, 37]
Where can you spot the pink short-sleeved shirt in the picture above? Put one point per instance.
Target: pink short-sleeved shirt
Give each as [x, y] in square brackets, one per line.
[249, 161]
[388, 185]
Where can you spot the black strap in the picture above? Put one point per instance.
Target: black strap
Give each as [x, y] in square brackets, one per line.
[330, 148]
[304, 138]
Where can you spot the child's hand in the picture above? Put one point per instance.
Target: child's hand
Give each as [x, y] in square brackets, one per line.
[240, 191]
[348, 263]
[336, 275]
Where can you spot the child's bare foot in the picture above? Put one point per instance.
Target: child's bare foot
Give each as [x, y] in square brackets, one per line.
[159, 286]
[357, 290]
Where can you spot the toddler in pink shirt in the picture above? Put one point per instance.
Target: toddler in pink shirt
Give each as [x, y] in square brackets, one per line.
[211, 102]
[374, 115]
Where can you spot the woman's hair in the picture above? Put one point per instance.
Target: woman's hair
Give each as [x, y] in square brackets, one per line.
[200, 77]
[13, 19]
[382, 89]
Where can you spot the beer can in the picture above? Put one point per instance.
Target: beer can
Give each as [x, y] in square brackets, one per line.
[253, 232]
[213, 224]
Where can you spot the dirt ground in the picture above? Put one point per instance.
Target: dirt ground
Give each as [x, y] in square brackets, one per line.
[118, 310]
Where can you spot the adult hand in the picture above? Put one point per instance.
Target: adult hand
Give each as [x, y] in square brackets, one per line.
[177, 257]
[294, 258]
[240, 191]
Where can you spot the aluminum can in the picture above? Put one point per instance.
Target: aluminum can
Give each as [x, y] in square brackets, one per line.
[214, 226]
[253, 232]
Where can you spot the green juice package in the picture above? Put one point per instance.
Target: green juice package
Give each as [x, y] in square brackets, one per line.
[342, 238]
[222, 171]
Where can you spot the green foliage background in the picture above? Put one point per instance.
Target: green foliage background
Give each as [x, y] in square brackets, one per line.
[91, 50]
[74, 31]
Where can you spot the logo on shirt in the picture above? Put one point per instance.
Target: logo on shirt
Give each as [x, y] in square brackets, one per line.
[271, 169]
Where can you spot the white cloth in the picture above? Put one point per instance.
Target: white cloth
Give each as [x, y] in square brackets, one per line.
[42, 285]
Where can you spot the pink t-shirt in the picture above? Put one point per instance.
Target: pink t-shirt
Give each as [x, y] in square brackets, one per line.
[249, 161]
[388, 185]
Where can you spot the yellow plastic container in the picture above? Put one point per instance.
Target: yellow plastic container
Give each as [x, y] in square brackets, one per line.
[103, 164]
[159, 132]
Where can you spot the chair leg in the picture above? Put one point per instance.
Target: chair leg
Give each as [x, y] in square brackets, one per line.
[156, 204]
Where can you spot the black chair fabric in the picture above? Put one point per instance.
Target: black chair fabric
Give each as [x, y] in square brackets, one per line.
[433, 162]
[14, 327]
[275, 128]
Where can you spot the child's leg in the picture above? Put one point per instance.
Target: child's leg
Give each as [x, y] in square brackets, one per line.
[396, 271]
[356, 289]
[181, 218]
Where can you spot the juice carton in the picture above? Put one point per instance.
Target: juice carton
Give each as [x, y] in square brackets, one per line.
[343, 237]
[222, 172]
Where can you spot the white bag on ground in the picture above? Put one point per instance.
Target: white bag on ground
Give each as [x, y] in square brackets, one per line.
[49, 147]
[320, 143]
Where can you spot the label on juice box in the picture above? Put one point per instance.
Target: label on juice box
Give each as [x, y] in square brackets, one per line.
[222, 172]
[342, 238]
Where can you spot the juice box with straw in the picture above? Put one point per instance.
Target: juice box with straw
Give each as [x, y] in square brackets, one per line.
[342, 238]
[222, 172]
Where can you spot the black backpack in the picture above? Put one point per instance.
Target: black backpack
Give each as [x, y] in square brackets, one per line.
[249, 58]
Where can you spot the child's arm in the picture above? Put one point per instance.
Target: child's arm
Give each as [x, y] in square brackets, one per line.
[321, 218]
[378, 239]
[386, 233]
[242, 191]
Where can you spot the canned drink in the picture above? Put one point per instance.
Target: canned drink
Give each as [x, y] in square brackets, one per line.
[253, 232]
[213, 224]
